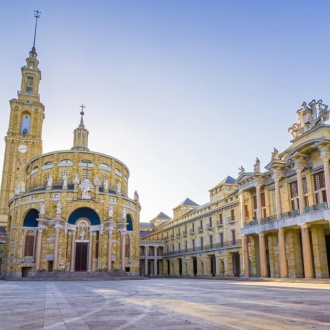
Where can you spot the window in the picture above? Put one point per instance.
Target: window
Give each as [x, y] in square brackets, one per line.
[173, 248]
[193, 227]
[232, 215]
[319, 186]
[220, 219]
[233, 238]
[25, 124]
[201, 240]
[201, 225]
[263, 205]
[254, 198]
[29, 246]
[179, 247]
[211, 241]
[193, 244]
[210, 222]
[294, 195]
[221, 239]
[186, 246]
[246, 211]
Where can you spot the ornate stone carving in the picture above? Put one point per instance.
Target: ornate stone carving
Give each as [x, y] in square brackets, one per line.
[106, 185]
[23, 186]
[110, 213]
[257, 165]
[124, 212]
[241, 170]
[97, 181]
[85, 187]
[50, 181]
[136, 196]
[42, 209]
[118, 187]
[65, 181]
[59, 208]
[309, 116]
[76, 179]
[17, 190]
[275, 154]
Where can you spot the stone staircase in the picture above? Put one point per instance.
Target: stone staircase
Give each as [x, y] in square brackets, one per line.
[78, 276]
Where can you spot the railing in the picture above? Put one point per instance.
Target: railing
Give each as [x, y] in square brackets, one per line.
[192, 231]
[219, 223]
[214, 246]
[251, 223]
[209, 227]
[269, 219]
[184, 233]
[317, 207]
[231, 219]
[290, 214]
[172, 236]
[178, 235]
[200, 228]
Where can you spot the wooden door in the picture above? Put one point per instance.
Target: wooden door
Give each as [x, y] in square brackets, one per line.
[81, 257]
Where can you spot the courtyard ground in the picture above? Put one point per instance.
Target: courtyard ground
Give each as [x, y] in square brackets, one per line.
[163, 304]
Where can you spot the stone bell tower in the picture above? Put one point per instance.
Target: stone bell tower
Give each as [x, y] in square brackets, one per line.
[23, 139]
[80, 134]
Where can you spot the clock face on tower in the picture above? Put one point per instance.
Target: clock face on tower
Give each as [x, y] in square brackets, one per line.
[22, 149]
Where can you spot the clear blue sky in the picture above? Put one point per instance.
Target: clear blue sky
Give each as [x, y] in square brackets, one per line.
[183, 92]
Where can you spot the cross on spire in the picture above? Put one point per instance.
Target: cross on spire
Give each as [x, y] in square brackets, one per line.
[36, 15]
[82, 114]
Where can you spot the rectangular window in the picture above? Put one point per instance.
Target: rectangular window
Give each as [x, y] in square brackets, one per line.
[193, 244]
[263, 200]
[211, 241]
[201, 243]
[210, 222]
[233, 237]
[221, 239]
[246, 211]
[179, 247]
[254, 199]
[220, 218]
[319, 186]
[186, 246]
[232, 215]
[193, 227]
[294, 195]
[29, 244]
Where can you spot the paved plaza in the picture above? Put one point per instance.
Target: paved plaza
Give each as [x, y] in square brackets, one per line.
[163, 304]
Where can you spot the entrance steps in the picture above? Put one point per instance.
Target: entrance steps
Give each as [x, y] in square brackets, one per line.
[78, 276]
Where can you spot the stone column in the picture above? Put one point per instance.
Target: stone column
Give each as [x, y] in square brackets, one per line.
[246, 266]
[277, 177]
[307, 252]
[122, 249]
[109, 249]
[300, 189]
[57, 236]
[282, 253]
[263, 259]
[319, 251]
[146, 250]
[90, 251]
[258, 195]
[39, 243]
[155, 261]
[35, 244]
[73, 250]
[242, 202]
[325, 158]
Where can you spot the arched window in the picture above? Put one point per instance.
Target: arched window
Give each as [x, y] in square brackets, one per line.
[129, 222]
[25, 124]
[30, 219]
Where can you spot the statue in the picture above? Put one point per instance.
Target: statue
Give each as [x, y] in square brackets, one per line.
[59, 208]
[84, 192]
[275, 154]
[118, 187]
[309, 116]
[17, 190]
[97, 181]
[76, 179]
[42, 209]
[110, 213]
[23, 186]
[124, 212]
[136, 196]
[65, 180]
[257, 165]
[241, 170]
[105, 185]
[50, 181]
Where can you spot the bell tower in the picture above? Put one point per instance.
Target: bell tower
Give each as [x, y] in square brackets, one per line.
[23, 139]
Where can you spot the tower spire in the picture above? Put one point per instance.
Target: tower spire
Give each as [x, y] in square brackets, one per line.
[80, 134]
[36, 15]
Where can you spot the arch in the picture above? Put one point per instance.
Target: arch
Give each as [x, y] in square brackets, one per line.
[30, 219]
[129, 222]
[84, 212]
[25, 123]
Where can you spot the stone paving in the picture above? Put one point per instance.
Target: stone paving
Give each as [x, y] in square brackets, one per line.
[164, 304]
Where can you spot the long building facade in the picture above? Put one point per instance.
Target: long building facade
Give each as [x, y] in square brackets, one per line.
[273, 223]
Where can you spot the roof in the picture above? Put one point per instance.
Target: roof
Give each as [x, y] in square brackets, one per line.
[188, 202]
[228, 179]
[146, 225]
[162, 215]
[197, 208]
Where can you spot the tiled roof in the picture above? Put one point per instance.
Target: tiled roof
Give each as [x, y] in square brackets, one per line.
[162, 215]
[189, 202]
[146, 225]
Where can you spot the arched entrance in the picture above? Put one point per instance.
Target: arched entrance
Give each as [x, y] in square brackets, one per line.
[84, 223]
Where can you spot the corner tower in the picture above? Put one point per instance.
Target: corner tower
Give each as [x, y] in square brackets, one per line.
[23, 140]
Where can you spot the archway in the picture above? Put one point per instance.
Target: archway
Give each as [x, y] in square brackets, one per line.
[129, 222]
[30, 219]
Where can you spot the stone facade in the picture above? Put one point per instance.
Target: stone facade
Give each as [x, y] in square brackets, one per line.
[64, 210]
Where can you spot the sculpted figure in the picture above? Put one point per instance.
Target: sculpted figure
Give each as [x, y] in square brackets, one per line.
[97, 181]
[118, 187]
[124, 212]
[17, 190]
[65, 180]
[275, 154]
[257, 165]
[110, 213]
[241, 170]
[106, 184]
[59, 208]
[42, 209]
[50, 181]
[84, 192]
[23, 186]
[136, 196]
[76, 179]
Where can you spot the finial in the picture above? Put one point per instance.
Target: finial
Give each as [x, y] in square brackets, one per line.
[82, 115]
[36, 15]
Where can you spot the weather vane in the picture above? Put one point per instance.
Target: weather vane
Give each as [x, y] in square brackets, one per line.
[36, 15]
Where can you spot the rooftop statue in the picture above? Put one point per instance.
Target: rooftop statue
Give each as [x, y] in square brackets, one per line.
[309, 116]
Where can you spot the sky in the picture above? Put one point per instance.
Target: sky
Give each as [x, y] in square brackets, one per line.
[183, 92]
